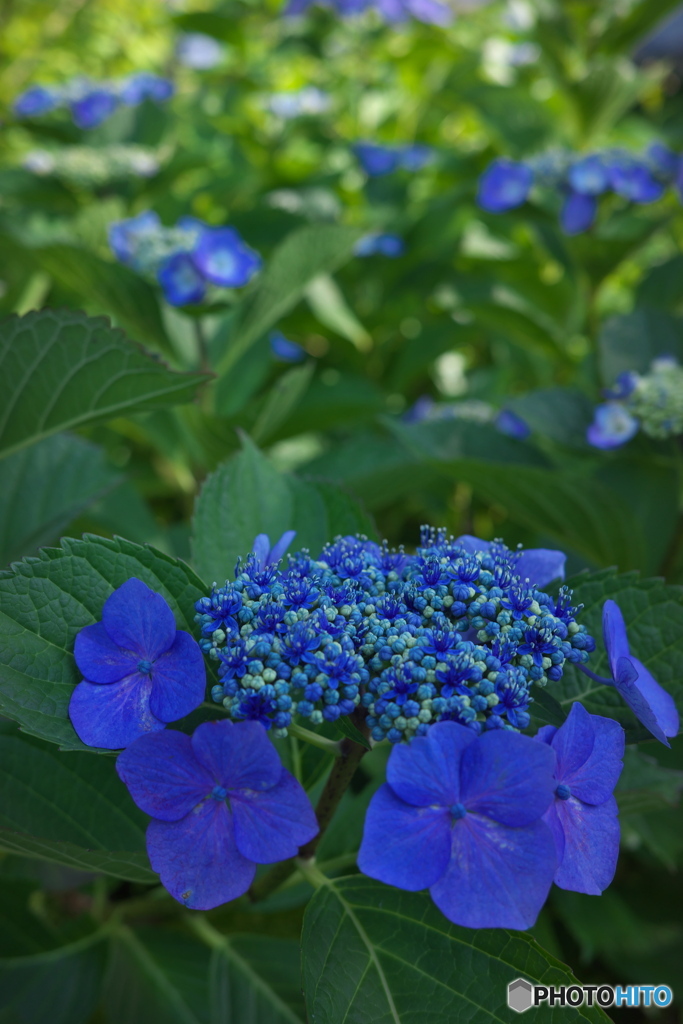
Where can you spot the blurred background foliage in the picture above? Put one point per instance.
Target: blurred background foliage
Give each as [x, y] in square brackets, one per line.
[482, 312]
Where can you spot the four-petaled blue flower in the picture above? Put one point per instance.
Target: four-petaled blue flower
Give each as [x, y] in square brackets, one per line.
[649, 701]
[139, 671]
[612, 426]
[224, 259]
[461, 816]
[221, 803]
[584, 815]
[181, 281]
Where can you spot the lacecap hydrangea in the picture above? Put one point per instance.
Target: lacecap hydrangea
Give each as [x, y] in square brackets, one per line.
[650, 402]
[460, 631]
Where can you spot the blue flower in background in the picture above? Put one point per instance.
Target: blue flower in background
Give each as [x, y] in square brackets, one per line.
[460, 815]
[221, 803]
[199, 51]
[612, 426]
[589, 176]
[508, 422]
[578, 213]
[145, 86]
[181, 281]
[266, 555]
[623, 386]
[632, 179]
[504, 185]
[584, 815]
[283, 348]
[539, 565]
[36, 101]
[139, 671]
[124, 234]
[649, 701]
[416, 156]
[379, 245]
[431, 12]
[224, 259]
[377, 160]
[93, 108]
[664, 160]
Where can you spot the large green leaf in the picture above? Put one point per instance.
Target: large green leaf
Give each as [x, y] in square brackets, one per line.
[44, 487]
[653, 613]
[61, 990]
[376, 955]
[69, 808]
[238, 990]
[312, 250]
[45, 601]
[60, 369]
[247, 496]
[632, 341]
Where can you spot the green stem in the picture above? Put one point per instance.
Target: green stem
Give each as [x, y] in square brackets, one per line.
[331, 746]
[202, 344]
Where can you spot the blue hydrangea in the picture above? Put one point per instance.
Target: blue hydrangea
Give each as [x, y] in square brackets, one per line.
[285, 349]
[378, 160]
[651, 402]
[431, 12]
[583, 816]
[221, 803]
[459, 631]
[139, 671]
[379, 245]
[510, 423]
[92, 103]
[462, 816]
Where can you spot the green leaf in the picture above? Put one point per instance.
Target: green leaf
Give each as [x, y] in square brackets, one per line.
[645, 785]
[71, 809]
[44, 487]
[238, 990]
[653, 612]
[282, 399]
[247, 496]
[329, 306]
[377, 955]
[304, 254]
[157, 976]
[45, 601]
[62, 369]
[60, 991]
[662, 286]
[632, 341]
[346, 727]
[562, 414]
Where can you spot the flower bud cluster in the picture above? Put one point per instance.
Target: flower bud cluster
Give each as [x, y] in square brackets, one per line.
[651, 402]
[410, 640]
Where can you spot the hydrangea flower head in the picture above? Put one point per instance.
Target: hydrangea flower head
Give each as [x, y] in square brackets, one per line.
[139, 671]
[649, 701]
[266, 555]
[93, 108]
[221, 803]
[460, 815]
[612, 426]
[181, 281]
[145, 86]
[504, 185]
[124, 234]
[583, 817]
[36, 101]
[222, 258]
[632, 179]
[538, 565]
[589, 176]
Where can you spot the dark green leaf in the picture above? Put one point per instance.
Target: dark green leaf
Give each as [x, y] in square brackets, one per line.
[562, 414]
[44, 487]
[632, 341]
[282, 399]
[645, 785]
[61, 370]
[45, 601]
[238, 989]
[60, 991]
[377, 955]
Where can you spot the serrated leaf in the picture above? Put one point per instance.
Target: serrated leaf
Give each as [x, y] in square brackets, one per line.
[653, 612]
[377, 955]
[44, 487]
[247, 496]
[71, 809]
[61, 369]
[45, 601]
[304, 254]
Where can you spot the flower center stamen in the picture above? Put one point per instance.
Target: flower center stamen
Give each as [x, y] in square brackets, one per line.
[458, 811]
[563, 792]
[145, 667]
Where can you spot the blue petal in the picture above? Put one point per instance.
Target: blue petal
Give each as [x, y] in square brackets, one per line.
[650, 702]
[279, 548]
[614, 634]
[272, 824]
[181, 281]
[472, 544]
[113, 716]
[498, 877]
[139, 620]
[591, 780]
[545, 733]
[507, 777]
[163, 775]
[178, 679]
[578, 213]
[223, 258]
[591, 845]
[403, 845]
[430, 12]
[427, 770]
[196, 858]
[504, 185]
[238, 755]
[541, 565]
[612, 426]
[99, 658]
[261, 549]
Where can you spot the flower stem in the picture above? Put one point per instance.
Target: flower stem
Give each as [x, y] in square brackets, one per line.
[331, 746]
[343, 769]
[592, 675]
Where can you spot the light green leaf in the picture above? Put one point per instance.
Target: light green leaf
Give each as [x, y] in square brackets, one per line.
[60, 370]
[45, 601]
[282, 399]
[377, 955]
[247, 496]
[44, 487]
[329, 306]
[71, 809]
[306, 253]
[653, 613]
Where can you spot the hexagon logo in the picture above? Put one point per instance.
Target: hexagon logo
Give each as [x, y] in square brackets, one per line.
[520, 995]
